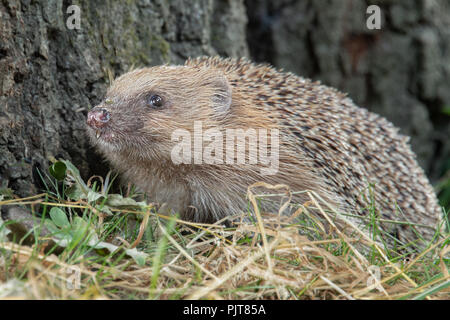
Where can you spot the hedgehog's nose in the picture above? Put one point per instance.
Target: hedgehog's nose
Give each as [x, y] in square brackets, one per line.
[98, 118]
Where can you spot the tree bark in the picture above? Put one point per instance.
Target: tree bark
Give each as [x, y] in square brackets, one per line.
[401, 71]
[50, 75]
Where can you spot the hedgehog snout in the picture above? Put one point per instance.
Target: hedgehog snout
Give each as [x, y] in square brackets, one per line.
[98, 118]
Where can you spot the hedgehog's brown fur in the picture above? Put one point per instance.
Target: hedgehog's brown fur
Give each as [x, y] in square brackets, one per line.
[327, 144]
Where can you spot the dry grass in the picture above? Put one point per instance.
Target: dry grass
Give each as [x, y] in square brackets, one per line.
[304, 256]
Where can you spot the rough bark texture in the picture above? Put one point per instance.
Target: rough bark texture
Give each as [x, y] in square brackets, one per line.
[401, 71]
[50, 75]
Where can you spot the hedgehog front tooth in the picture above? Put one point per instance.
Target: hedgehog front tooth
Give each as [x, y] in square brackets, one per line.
[98, 133]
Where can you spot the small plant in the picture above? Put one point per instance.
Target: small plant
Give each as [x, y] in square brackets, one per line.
[82, 233]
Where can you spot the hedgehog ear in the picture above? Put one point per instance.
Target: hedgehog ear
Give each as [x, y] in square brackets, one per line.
[221, 99]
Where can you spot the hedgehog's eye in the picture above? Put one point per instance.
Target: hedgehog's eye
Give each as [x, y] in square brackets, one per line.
[155, 101]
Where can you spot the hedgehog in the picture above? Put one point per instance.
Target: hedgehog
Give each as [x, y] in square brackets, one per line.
[318, 139]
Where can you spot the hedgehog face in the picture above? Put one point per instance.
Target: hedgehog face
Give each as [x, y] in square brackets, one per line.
[144, 107]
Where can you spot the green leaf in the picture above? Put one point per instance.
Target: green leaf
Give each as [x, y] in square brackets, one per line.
[75, 174]
[51, 226]
[58, 170]
[59, 217]
[105, 209]
[80, 228]
[63, 240]
[138, 256]
[93, 196]
[116, 200]
[75, 192]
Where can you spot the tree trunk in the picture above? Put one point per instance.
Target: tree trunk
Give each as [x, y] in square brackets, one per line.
[51, 75]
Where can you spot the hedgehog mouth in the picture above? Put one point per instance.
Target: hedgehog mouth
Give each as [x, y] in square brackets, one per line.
[103, 135]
